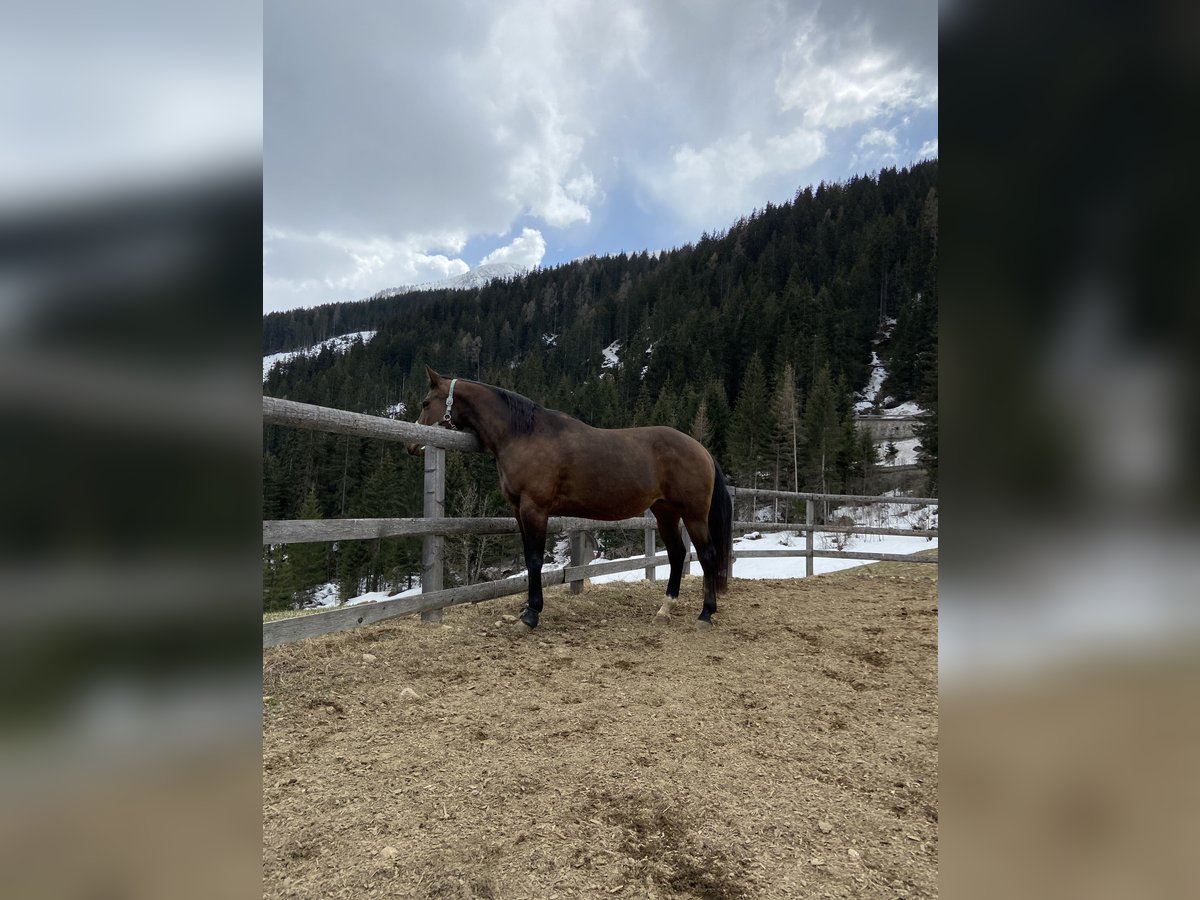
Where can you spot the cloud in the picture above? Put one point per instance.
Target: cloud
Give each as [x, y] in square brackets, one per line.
[527, 249]
[928, 149]
[388, 125]
[877, 147]
[837, 79]
[712, 185]
[308, 269]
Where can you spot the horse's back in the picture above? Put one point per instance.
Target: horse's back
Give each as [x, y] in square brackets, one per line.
[570, 468]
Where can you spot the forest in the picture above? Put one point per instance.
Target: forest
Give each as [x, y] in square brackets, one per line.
[754, 341]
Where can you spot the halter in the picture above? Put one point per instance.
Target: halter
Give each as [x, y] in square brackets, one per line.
[446, 423]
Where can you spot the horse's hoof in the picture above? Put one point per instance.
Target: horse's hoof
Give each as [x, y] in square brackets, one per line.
[528, 618]
[661, 619]
[704, 624]
[521, 628]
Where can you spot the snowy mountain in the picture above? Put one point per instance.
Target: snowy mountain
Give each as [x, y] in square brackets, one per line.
[469, 280]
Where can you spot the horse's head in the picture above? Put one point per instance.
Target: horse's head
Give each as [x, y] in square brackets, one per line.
[433, 406]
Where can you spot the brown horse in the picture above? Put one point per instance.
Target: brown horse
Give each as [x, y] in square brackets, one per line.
[553, 465]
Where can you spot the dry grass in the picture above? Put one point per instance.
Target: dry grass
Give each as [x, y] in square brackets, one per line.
[789, 751]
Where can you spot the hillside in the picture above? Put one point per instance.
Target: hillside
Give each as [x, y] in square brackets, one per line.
[755, 340]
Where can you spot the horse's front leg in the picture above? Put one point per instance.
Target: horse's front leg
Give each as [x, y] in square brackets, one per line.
[533, 536]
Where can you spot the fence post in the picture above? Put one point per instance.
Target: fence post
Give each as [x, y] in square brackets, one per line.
[433, 545]
[809, 517]
[576, 540]
[650, 545]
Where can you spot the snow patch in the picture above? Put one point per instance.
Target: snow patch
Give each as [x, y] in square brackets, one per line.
[904, 410]
[874, 383]
[339, 344]
[906, 452]
[611, 356]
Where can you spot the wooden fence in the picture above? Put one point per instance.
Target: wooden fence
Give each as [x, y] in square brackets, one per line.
[433, 527]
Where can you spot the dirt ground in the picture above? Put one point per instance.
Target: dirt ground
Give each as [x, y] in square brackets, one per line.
[790, 751]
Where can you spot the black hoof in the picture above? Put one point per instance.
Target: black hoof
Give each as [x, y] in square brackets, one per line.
[529, 616]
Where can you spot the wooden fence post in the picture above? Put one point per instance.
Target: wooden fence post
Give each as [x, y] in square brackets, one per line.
[809, 517]
[577, 541]
[650, 545]
[433, 545]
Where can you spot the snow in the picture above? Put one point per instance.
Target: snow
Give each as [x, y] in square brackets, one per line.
[869, 402]
[478, 277]
[646, 368]
[339, 344]
[908, 408]
[906, 454]
[325, 595]
[549, 339]
[376, 596]
[791, 566]
[611, 358]
[874, 383]
[396, 410]
[885, 515]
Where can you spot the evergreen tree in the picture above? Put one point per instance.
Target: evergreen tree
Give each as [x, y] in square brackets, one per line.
[752, 426]
[702, 429]
[642, 409]
[822, 434]
[308, 561]
[785, 414]
[927, 429]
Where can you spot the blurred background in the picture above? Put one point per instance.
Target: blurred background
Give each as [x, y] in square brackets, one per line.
[130, 285]
[130, 289]
[1070, 615]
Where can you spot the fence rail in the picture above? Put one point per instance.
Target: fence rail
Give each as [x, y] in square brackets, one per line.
[433, 527]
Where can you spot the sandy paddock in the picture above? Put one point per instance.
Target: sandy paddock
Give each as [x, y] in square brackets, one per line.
[789, 751]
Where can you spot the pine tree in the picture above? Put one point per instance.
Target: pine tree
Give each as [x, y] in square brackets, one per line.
[822, 432]
[785, 412]
[642, 409]
[308, 561]
[664, 409]
[702, 429]
[751, 427]
[927, 429]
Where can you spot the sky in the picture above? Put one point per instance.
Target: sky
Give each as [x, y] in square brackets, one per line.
[405, 142]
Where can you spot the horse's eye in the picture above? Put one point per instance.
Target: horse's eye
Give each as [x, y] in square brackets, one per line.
[424, 404]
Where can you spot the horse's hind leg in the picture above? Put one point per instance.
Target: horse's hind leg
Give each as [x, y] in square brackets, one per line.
[668, 527]
[706, 553]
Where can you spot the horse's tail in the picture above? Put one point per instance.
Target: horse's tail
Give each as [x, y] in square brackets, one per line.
[720, 526]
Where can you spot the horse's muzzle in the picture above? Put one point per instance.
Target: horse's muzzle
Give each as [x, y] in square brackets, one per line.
[415, 449]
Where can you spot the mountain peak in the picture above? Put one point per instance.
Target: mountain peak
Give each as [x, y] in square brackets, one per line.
[469, 280]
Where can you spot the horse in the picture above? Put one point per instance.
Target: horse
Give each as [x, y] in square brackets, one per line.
[551, 464]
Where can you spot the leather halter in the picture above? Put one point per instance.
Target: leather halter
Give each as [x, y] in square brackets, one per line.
[446, 421]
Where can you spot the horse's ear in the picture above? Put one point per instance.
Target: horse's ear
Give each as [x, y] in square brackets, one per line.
[434, 377]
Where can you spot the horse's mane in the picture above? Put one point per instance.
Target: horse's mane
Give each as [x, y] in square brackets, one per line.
[519, 409]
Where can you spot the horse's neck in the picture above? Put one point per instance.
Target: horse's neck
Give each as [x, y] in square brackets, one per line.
[488, 418]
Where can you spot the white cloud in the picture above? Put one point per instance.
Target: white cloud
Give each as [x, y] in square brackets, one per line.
[308, 269]
[928, 149]
[837, 79]
[879, 139]
[388, 124]
[712, 185]
[876, 147]
[527, 249]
